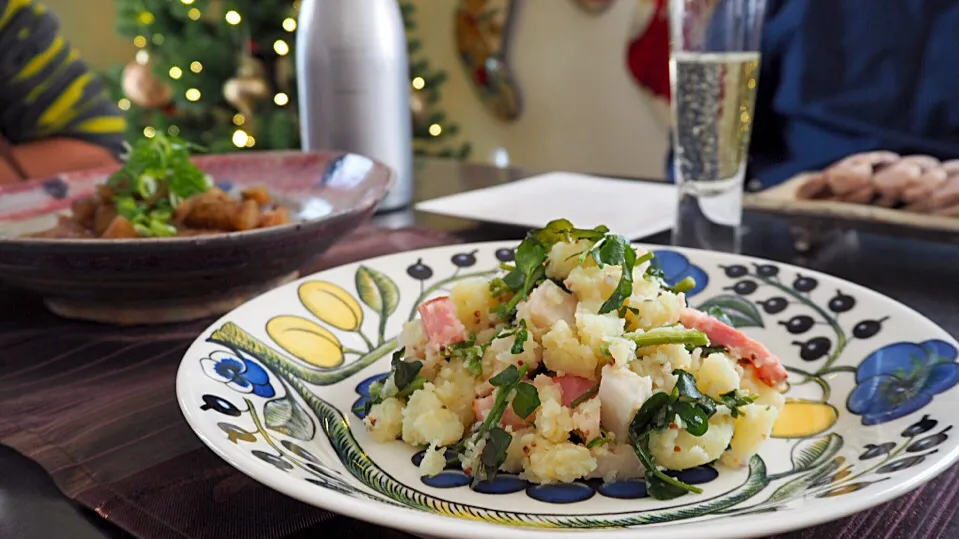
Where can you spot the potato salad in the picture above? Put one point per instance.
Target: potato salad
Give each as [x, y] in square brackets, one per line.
[577, 361]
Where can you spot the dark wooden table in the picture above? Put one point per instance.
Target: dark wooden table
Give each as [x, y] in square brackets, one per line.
[921, 274]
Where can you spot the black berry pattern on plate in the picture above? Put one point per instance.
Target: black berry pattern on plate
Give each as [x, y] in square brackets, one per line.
[868, 328]
[464, 260]
[505, 255]
[774, 305]
[841, 303]
[814, 349]
[801, 323]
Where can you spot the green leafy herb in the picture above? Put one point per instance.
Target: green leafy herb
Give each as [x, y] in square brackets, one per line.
[529, 272]
[526, 400]
[590, 393]
[617, 251]
[156, 178]
[498, 288]
[406, 379]
[692, 408]
[521, 336]
[494, 454]
[687, 284]
[508, 382]
[660, 336]
[562, 230]
[734, 400]
[719, 314]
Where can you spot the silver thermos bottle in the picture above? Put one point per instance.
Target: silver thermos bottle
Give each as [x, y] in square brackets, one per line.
[354, 88]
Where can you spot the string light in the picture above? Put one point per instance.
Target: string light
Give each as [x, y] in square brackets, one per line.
[419, 83]
[149, 132]
[146, 18]
[176, 73]
[250, 142]
[281, 99]
[140, 42]
[240, 138]
[196, 67]
[173, 130]
[193, 94]
[281, 47]
[124, 104]
[194, 14]
[234, 18]
[436, 130]
[142, 57]
[186, 2]
[289, 24]
[238, 119]
[158, 39]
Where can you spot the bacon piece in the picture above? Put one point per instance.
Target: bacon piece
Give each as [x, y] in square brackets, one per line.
[573, 387]
[768, 367]
[442, 326]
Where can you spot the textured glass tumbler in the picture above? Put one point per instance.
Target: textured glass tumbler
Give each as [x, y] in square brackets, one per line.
[714, 74]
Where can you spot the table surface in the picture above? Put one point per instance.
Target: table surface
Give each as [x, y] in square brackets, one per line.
[918, 273]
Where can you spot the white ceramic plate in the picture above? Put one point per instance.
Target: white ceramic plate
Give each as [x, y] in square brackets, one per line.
[872, 387]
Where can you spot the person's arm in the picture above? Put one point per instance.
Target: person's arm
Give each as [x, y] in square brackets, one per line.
[48, 157]
[54, 111]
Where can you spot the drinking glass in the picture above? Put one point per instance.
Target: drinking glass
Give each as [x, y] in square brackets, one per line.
[713, 73]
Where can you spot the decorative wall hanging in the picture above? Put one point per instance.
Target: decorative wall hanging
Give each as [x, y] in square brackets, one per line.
[482, 33]
[648, 52]
[594, 6]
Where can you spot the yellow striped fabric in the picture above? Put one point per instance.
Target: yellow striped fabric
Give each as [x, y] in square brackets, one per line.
[47, 91]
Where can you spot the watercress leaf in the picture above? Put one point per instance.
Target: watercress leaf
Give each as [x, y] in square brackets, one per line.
[563, 230]
[507, 377]
[686, 385]
[494, 454]
[521, 336]
[514, 280]
[526, 400]
[642, 421]
[613, 251]
[694, 419]
[404, 371]
[663, 490]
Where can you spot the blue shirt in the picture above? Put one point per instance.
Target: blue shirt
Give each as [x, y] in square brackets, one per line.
[844, 76]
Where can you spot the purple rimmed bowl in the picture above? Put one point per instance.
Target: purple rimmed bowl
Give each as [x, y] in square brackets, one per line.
[161, 280]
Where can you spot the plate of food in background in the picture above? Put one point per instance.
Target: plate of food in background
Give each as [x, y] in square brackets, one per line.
[170, 237]
[905, 194]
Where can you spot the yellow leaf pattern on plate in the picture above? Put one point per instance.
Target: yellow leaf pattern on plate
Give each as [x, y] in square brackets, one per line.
[306, 340]
[332, 305]
[803, 418]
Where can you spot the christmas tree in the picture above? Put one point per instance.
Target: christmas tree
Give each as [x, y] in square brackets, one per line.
[221, 73]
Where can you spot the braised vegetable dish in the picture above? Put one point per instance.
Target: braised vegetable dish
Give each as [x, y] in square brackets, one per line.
[159, 192]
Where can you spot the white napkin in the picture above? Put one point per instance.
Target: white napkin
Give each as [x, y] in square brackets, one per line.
[635, 209]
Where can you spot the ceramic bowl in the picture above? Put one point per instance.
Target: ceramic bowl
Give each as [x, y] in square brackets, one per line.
[159, 280]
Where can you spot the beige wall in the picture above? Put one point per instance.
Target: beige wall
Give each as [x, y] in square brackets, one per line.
[582, 109]
[89, 26]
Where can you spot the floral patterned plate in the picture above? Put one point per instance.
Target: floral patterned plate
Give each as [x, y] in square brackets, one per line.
[271, 388]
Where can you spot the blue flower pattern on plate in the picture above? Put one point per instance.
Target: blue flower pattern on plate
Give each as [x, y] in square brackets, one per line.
[676, 267]
[901, 378]
[238, 373]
